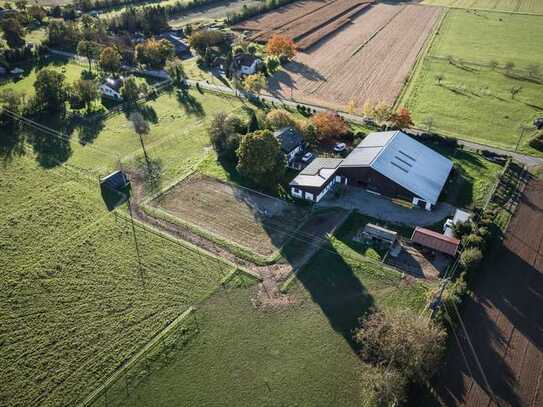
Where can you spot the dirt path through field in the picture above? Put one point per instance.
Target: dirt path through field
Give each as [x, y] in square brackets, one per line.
[504, 322]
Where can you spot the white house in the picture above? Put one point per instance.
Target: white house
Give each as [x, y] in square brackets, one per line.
[111, 88]
[246, 64]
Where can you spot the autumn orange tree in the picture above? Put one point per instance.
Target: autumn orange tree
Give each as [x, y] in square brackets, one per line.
[329, 125]
[401, 118]
[281, 46]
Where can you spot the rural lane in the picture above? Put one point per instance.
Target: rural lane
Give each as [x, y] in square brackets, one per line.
[529, 161]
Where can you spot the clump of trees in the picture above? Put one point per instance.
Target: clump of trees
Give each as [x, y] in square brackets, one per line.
[384, 115]
[51, 91]
[154, 53]
[202, 40]
[224, 133]
[402, 348]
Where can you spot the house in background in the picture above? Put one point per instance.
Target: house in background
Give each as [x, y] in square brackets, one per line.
[390, 164]
[111, 88]
[291, 142]
[245, 64]
[182, 48]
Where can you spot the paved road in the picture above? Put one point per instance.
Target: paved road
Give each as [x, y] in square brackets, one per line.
[527, 160]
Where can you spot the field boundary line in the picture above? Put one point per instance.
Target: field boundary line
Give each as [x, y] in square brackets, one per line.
[487, 10]
[183, 243]
[372, 36]
[424, 52]
[136, 358]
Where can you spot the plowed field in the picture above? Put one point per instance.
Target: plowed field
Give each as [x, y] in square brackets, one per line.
[504, 322]
[305, 22]
[368, 58]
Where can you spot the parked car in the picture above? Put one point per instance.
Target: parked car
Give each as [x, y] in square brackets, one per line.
[339, 147]
[307, 157]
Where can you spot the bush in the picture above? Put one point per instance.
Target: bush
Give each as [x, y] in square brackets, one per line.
[473, 240]
[471, 258]
[383, 386]
[403, 340]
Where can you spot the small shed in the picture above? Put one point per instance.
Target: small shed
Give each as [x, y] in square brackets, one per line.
[116, 180]
[435, 241]
[376, 232]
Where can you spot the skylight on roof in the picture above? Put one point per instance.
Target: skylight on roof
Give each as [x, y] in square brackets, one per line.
[407, 155]
[399, 166]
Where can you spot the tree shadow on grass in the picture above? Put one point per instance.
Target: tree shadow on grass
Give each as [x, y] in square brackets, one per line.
[52, 148]
[333, 285]
[12, 142]
[190, 104]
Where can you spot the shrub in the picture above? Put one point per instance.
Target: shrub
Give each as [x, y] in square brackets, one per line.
[473, 240]
[383, 386]
[471, 258]
[403, 340]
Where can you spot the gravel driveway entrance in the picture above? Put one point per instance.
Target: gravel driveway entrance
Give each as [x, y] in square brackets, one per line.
[382, 208]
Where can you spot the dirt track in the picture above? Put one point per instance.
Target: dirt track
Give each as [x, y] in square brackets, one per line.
[369, 58]
[504, 322]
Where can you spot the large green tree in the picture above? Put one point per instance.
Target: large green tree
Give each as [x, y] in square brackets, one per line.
[13, 32]
[89, 50]
[86, 91]
[131, 90]
[224, 135]
[51, 90]
[110, 60]
[260, 158]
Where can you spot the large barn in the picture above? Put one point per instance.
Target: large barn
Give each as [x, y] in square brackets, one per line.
[387, 163]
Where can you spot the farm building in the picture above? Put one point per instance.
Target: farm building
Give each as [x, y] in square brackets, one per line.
[315, 180]
[435, 241]
[291, 142]
[111, 88]
[390, 164]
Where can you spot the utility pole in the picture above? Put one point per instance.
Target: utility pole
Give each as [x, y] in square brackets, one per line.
[522, 130]
[135, 241]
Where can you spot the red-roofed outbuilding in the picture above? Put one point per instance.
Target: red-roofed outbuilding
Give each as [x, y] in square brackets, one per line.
[435, 241]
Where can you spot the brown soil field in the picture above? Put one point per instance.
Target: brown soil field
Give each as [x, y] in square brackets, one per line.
[504, 321]
[297, 21]
[253, 220]
[368, 58]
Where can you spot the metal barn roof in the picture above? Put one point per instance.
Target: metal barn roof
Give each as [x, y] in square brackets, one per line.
[436, 241]
[380, 232]
[405, 161]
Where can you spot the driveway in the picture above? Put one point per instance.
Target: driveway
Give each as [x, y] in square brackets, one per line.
[382, 208]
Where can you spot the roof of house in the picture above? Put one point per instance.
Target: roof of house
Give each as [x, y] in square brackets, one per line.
[405, 161]
[380, 232]
[289, 138]
[436, 241]
[317, 173]
[176, 41]
[114, 83]
[244, 59]
[115, 180]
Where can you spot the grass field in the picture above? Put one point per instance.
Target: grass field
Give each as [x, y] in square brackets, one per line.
[300, 355]
[77, 298]
[521, 6]
[72, 72]
[473, 100]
